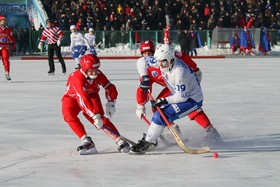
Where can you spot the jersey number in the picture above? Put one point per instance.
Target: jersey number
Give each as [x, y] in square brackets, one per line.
[181, 88]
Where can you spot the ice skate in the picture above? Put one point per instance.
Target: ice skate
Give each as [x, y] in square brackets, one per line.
[88, 147]
[212, 137]
[124, 147]
[7, 75]
[78, 66]
[50, 72]
[142, 146]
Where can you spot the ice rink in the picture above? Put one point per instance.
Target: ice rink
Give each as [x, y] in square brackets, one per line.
[241, 98]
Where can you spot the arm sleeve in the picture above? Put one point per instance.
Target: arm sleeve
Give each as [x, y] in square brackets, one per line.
[111, 92]
[43, 37]
[141, 66]
[187, 60]
[60, 34]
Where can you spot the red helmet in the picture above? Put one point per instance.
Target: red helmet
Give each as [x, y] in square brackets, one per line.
[147, 46]
[89, 61]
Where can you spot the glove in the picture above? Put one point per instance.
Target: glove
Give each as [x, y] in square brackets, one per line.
[98, 123]
[160, 102]
[198, 75]
[110, 108]
[13, 48]
[40, 46]
[140, 111]
[145, 83]
[58, 43]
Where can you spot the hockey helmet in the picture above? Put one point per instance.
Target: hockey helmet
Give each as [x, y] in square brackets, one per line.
[89, 61]
[165, 56]
[3, 17]
[72, 27]
[147, 46]
[48, 21]
[91, 30]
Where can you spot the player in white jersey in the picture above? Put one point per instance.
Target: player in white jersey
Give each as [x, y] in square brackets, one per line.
[90, 37]
[78, 46]
[186, 97]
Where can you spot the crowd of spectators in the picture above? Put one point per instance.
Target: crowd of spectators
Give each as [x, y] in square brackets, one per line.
[150, 14]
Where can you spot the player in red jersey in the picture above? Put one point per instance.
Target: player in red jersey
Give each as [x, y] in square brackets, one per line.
[7, 41]
[82, 95]
[149, 74]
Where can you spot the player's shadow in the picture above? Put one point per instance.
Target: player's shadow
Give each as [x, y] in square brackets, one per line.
[260, 143]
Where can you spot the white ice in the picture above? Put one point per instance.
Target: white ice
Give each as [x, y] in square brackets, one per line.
[241, 98]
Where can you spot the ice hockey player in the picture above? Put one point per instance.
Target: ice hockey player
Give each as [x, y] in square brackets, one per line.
[82, 95]
[7, 41]
[90, 37]
[185, 99]
[78, 46]
[149, 74]
[54, 36]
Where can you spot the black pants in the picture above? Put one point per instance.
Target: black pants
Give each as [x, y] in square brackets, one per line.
[51, 49]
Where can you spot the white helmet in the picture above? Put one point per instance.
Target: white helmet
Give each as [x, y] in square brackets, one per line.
[90, 30]
[165, 52]
[72, 27]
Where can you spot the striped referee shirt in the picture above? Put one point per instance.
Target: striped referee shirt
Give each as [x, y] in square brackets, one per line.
[51, 34]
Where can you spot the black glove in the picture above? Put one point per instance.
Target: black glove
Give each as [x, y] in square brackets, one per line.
[145, 83]
[160, 102]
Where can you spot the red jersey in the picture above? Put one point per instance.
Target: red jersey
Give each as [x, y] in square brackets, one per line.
[83, 89]
[7, 39]
[155, 76]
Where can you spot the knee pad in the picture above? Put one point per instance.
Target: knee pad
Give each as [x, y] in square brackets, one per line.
[195, 113]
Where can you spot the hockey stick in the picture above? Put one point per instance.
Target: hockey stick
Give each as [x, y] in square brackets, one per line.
[164, 141]
[177, 137]
[65, 55]
[97, 45]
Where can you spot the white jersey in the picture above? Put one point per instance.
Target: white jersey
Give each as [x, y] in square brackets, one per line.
[182, 83]
[144, 63]
[90, 38]
[77, 39]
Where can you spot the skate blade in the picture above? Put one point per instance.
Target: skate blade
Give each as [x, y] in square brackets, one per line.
[136, 153]
[88, 152]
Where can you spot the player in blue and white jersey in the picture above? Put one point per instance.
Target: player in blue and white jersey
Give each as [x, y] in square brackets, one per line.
[78, 46]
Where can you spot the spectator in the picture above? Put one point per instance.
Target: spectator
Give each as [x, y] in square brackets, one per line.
[264, 45]
[246, 41]
[235, 43]
[195, 42]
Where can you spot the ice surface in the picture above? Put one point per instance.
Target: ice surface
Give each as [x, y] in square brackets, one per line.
[241, 98]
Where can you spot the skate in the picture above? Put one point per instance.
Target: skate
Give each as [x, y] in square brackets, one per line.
[50, 72]
[142, 146]
[152, 145]
[124, 147]
[64, 71]
[7, 75]
[212, 137]
[78, 66]
[88, 147]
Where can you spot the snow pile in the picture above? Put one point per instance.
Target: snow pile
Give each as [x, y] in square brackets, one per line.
[126, 50]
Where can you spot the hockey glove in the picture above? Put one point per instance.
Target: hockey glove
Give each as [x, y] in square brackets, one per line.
[110, 108]
[40, 46]
[140, 111]
[58, 42]
[98, 123]
[198, 75]
[160, 102]
[145, 83]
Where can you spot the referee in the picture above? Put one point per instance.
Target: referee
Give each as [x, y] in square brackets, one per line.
[54, 37]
